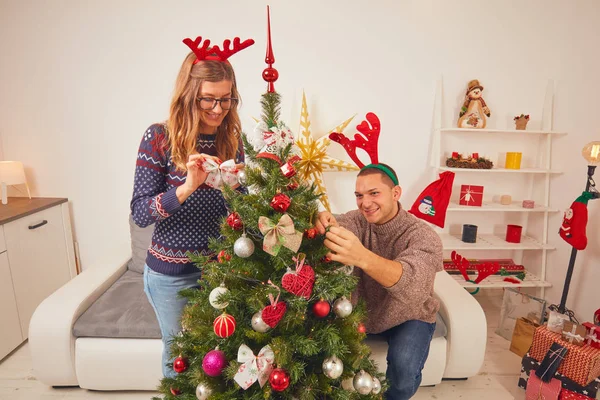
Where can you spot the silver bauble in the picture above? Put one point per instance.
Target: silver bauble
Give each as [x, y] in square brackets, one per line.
[203, 391]
[342, 307]
[258, 324]
[243, 247]
[376, 386]
[241, 176]
[333, 367]
[213, 297]
[363, 382]
[348, 384]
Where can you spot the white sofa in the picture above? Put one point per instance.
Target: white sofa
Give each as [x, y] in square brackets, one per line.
[60, 358]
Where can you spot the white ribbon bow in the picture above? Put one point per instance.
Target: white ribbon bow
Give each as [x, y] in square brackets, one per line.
[253, 367]
[220, 174]
[271, 140]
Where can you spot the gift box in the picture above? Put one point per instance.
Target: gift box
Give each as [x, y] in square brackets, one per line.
[581, 364]
[529, 365]
[551, 362]
[592, 337]
[471, 195]
[538, 389]
[569, 395]
[574, 333]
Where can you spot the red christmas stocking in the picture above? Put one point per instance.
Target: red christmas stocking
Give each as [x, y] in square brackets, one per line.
[574, 223]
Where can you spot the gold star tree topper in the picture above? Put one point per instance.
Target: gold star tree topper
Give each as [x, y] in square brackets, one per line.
[315, 159]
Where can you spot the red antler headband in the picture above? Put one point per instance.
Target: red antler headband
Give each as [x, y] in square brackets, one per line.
[205, 52]
[370, 130]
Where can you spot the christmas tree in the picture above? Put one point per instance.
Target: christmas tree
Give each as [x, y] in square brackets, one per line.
[273, 318]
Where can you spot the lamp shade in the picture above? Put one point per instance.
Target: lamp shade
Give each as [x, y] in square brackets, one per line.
[591, 152]
[12, 173]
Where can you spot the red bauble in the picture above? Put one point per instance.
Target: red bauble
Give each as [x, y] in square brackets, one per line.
[279, 379]
[270, 74]
[361, 328]
[180, 365]
[175, 391]
[292, 186]
[281, 202]
[311, 233]
[223, 256]
[235, 221]
[288, 170]
[224, 325]
[321, 308]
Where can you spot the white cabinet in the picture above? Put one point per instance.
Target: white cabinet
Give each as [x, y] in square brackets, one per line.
[38, 258]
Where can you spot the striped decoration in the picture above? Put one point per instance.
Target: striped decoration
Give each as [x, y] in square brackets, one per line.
[224, 325]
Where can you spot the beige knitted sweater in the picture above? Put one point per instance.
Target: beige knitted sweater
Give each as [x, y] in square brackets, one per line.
[409, 241]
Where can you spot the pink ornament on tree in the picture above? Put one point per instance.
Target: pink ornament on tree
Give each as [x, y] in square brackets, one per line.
[214, 362]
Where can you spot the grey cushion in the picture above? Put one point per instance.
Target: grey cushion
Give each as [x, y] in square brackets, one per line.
[140, 242]
[123, 311]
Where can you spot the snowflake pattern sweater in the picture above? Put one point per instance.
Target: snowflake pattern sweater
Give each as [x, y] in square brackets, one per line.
[180, 228]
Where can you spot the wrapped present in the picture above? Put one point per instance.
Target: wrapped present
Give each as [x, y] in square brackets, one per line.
[552, 360]
[556, 321]
[581, 364]
[471, 195]
[592, 337]
[569, 395]
[529, 365]
[538, 389]
[509, 266]
[574, 333]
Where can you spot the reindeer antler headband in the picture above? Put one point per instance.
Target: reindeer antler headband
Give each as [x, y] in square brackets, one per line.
[368, 141]
[205, 52]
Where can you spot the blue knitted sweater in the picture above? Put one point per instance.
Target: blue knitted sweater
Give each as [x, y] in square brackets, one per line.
[180, 228]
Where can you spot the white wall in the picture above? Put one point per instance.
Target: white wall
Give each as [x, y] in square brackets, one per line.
[81, 80]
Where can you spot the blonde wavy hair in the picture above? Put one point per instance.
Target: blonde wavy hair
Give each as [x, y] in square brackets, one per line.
[184, 116]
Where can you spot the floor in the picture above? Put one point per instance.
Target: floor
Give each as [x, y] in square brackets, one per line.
[496, 381]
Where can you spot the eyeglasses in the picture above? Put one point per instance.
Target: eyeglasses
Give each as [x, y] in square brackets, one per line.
[209, 103]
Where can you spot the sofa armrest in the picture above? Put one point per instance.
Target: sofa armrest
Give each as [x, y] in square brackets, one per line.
[51, 341]
[467, 327]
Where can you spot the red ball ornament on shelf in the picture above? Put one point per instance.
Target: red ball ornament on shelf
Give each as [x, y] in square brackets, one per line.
[175, 391]
[279, 379]
[235, 221]
[224, 325]
[311, 233]
[180, 364]
[321, 308]
[281, 202]
[223, 256]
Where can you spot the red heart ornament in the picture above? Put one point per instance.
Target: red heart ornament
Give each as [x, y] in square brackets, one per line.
[273, 314]
[299, 283]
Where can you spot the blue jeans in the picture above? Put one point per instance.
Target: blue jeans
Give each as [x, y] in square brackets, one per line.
[408, 348]
[163, 294]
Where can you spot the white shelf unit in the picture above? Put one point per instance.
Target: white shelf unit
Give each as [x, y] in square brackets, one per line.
[537, 173]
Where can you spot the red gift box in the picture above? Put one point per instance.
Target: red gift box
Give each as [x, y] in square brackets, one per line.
[471, 195]
[536, 389]
[593, 335]
[581, 364]
[569, 395]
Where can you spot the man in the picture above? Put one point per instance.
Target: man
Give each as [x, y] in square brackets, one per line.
[396, 257]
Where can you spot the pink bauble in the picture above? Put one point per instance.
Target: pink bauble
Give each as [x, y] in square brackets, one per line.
[214, 362]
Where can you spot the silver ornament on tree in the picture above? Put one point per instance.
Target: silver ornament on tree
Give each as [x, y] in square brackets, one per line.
[333, 367]
[342, 307]
[348, 384]
[243, 247]
[258, 324]
[203, 391]
[376, 386]
[363, 382]
[241, 176]
[213, 297]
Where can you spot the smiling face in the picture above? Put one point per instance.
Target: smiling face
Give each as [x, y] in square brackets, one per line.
[211, 119]
[475, 93]
[377, 197]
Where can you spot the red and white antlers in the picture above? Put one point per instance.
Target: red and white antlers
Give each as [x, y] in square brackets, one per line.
[205, 52]
[368, 141]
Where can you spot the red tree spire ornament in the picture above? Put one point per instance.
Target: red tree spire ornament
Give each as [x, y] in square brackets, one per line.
[368, 141]
[205, 52]
[270, 74]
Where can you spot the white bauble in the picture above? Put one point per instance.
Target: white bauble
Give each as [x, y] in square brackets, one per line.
[243, 247]
[213, 297]
[348, 384]
[333, 367]
[203, 391]
[363, 382]
[342, 307]
[258, 324]
[376, 386]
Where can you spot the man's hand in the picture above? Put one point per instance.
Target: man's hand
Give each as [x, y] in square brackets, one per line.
[346, 248]
[324, 221]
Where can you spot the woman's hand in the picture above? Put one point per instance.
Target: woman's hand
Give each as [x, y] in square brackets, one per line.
[196, 175]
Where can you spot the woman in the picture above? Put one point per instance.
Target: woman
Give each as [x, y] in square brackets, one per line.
[169, 187]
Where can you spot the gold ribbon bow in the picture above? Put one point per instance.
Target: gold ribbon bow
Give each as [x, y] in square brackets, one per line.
[282, 234]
